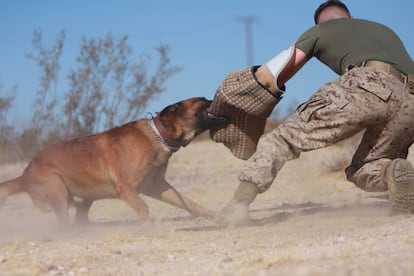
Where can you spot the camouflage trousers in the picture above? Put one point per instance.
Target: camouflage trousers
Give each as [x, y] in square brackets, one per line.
[362, 98]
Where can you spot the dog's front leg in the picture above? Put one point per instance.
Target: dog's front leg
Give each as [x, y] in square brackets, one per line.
[165, 192]
[134, 200]
[82, 209]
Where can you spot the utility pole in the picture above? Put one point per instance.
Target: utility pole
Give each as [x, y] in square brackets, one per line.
[248, 30]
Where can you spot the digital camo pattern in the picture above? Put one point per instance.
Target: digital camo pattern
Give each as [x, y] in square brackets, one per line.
[362, 98]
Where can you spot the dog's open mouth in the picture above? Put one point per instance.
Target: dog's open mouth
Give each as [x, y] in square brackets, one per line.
[213, 116]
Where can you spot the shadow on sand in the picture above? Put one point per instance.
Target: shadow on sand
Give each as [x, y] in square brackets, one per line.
[286, 211]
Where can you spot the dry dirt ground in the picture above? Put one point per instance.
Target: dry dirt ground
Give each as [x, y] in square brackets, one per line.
[311, 222]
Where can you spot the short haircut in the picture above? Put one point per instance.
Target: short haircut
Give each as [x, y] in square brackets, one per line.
[327, 4]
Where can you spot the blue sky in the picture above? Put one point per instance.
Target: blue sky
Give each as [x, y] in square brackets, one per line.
[205, 37]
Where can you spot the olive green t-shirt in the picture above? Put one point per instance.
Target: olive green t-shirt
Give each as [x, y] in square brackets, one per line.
[339, 43]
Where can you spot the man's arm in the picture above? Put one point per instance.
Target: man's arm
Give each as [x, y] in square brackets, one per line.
[266, 78]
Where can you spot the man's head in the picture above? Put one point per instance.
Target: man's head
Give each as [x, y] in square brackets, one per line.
[331, 9]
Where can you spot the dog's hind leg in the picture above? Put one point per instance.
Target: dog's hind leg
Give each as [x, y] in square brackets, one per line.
[82, 209]
[9, 187]
[59, 201]
[49, 190]
[168, 194]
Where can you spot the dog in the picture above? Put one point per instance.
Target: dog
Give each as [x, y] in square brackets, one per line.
[121, 162]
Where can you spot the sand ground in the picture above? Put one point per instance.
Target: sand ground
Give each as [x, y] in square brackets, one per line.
[311, 222]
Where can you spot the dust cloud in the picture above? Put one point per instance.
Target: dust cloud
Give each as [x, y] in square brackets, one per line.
[311, 222]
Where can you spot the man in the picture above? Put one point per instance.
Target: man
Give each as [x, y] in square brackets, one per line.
[375, 92]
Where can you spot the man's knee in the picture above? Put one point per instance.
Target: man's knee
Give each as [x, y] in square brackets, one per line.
[369, 177]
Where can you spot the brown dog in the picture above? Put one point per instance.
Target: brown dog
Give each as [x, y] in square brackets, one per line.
[118, 163]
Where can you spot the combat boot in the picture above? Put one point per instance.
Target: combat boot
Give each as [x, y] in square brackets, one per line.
[237, 211]
[399, 177]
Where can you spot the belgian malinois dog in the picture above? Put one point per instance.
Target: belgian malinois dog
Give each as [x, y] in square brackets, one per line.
[121, 162]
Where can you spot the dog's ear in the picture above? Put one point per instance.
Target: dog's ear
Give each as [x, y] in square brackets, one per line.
[169, 108]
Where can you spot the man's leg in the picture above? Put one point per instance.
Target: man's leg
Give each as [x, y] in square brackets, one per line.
[296, 134]
[379, 163]
[401, 182]
[337, 111]
[372, 155]
[257, 175]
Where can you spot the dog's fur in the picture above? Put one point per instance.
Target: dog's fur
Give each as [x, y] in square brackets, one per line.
[118, 163]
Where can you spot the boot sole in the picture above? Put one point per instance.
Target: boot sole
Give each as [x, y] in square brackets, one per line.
[403, 175]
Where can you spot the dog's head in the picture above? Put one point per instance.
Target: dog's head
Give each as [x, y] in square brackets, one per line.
[186, 119]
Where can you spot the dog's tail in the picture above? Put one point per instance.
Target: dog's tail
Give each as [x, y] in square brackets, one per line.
[10, 187]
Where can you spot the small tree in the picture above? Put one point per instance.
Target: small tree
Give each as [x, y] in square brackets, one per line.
[106, 88]
[44, 120]
[9, 149]
[6, 102]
